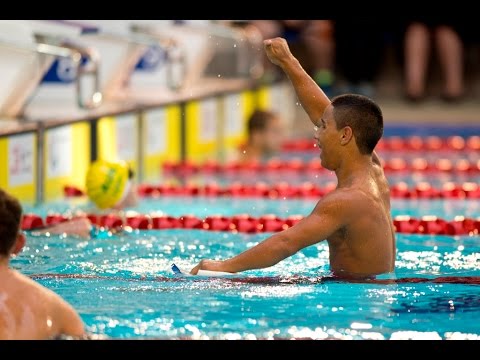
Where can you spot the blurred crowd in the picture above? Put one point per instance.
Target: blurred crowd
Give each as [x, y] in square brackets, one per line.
[345, 56]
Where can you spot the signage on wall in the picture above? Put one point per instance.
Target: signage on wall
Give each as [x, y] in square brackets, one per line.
[208, 120]
[156, 131]
[153, 57]
[59, 150]
[233, 115]
[127, 136]
[20, 160]
[63, 70]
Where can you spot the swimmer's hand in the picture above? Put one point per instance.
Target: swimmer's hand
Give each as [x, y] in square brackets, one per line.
[277, 51]
[212, 265]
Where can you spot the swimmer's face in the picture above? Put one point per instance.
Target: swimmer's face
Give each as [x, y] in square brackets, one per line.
[327, 137]
[273, 136]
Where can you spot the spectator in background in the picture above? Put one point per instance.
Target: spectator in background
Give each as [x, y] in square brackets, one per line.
[359, 51]
[316, 37]
[418, 41]
[110, 185]
[28, 311]
[265, 137]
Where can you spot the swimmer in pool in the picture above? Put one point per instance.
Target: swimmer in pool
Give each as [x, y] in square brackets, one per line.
[265, 136]
[110, 185]
[28, 310]
[354, 218]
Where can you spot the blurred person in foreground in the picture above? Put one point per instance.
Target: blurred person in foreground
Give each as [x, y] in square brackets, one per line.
[354, 218]
[28, 310]
[110, 185]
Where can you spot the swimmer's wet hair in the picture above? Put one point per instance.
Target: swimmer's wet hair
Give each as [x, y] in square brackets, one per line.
[10, 217]
[363, 115]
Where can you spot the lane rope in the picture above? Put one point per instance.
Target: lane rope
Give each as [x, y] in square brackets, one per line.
[283, 190]
[397, 143]
[245, 223]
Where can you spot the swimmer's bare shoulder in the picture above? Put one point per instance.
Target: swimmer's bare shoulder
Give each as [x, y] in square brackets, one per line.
[343, 207]
[343, 201]
[65, 320]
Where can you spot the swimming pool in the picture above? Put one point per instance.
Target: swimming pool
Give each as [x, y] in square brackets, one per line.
[123, 286]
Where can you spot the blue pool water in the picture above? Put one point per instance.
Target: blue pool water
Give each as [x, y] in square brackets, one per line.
[127, 290]
[123, 286]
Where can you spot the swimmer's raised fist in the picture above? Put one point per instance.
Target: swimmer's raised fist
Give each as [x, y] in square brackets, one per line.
[277, 50]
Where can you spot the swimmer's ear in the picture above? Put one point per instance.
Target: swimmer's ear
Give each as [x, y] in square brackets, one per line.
[347, 135]
[19, 243]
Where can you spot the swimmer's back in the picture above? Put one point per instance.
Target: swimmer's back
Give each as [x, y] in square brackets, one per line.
[30, 311]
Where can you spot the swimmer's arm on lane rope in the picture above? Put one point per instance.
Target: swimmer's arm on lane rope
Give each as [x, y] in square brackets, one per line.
[327, 217]
[80, 226]
[310, 95]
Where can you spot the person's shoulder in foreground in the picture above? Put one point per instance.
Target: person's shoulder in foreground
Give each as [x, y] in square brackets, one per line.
[28, 310]
[354, 218]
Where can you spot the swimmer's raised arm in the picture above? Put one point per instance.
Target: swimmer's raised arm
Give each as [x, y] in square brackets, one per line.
[311, 96]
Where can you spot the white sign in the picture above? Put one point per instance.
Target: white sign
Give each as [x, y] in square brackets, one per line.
[208, 120]
[277, 97]
[127, 135]
[59, 150]
[156, 131]
[283, 100]
[20, 160]
[233, 115]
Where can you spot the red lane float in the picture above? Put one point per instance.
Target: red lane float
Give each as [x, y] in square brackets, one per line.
[248, 224]
[395, 164]
[422, 190]
[31, 221]
[397, 143]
